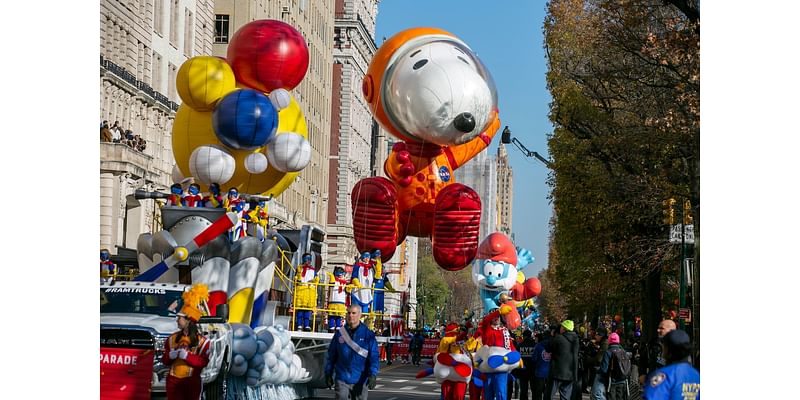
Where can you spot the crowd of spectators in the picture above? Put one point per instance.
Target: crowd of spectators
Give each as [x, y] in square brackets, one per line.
[115, 134]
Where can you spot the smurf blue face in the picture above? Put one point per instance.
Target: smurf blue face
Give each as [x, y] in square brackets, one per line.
[104, 255]
[365, 256]
[306, 259]
[214, 188]
[494, 275]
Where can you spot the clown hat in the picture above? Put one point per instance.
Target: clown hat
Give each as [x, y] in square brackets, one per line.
[191, 302]
[451, 329]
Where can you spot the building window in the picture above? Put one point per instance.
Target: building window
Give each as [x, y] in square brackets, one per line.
[173, 23]
[156, 83]
[173, 74]
[158, 16]
[221, 28]
[187, 34]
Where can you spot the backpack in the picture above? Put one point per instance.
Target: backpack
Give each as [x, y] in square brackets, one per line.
[620, 365]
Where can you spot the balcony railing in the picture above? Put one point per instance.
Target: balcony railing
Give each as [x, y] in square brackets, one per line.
[126, 76]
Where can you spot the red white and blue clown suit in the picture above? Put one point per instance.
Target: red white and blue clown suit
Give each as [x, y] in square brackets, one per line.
[381, 282]
[237, 205]
[193, 198]
[108, 270]
[175, 197]
[337, 297]
[452, 366]
[214, 198]
[363, 278]
[497, 356]
[183, 379]
[306, 293]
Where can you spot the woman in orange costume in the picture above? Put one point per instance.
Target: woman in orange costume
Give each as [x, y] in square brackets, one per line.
[187, 350]
[427, 88]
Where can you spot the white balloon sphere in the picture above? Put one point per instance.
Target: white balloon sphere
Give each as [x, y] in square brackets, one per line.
[177, 175]
[280, 98]
[255, 163]
[289, 152]
[211, 164]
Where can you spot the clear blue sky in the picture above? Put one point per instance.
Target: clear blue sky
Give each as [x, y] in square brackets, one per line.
[508, 39]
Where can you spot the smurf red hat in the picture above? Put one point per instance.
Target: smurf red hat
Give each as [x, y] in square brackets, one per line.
[497, 247]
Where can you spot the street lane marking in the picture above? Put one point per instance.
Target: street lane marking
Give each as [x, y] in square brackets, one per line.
[392, 398]
[429, 383]
[408, 388]
[399, 380]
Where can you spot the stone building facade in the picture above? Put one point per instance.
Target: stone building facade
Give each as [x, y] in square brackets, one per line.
[142, 45]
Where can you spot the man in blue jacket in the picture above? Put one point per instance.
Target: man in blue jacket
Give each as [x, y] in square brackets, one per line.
[353, 355]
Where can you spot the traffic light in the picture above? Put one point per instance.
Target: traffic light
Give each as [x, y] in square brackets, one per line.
[669, 211]
[687, 213]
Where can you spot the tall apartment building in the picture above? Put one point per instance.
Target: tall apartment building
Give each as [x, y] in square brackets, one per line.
[505, 190]
[306, 200]
[142, 45]
[480, 174]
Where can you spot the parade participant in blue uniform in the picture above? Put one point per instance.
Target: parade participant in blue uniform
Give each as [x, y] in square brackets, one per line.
[679, 380]
[353, 357]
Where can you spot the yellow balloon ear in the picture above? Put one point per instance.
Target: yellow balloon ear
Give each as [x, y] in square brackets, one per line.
[520, 277]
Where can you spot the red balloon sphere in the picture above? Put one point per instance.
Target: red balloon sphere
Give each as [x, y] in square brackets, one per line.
[267, 54]
[532, 287]
[617, 318]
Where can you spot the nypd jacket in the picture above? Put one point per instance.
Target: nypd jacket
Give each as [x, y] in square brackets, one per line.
[350, 366]
[676, 381]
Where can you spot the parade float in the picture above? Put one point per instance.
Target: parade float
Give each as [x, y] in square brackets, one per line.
[239, 128]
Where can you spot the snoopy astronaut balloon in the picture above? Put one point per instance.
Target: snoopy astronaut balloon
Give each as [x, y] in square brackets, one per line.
[427, 88]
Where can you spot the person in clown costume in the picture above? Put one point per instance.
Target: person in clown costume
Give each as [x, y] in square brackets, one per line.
[306, 280]
[337, 296]
[108, 270]
[382, 282]
[213, 199]
[362, 279]
[186, 351]
[453, 363]
[175, 197]
[497, 356]
[234, 203]
[257, 220]
[193, 197]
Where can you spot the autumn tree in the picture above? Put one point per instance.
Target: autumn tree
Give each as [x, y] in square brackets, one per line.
[624, 77]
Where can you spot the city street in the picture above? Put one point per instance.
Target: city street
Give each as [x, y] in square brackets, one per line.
[398, 381]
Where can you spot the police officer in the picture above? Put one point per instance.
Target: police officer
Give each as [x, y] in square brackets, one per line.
[679, 379]
[525, 374]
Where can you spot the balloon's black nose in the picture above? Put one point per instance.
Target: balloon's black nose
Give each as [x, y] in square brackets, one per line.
[464, 122]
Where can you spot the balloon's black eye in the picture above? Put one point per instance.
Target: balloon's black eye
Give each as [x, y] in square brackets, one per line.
[419, 64]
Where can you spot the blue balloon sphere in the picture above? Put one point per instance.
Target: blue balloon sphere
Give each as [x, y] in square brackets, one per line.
[245, 119]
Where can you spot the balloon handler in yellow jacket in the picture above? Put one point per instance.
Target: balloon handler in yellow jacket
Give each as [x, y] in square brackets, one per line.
[305, 290]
